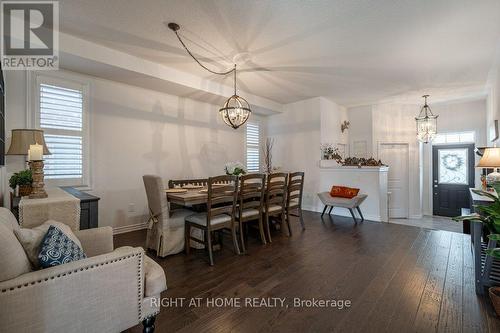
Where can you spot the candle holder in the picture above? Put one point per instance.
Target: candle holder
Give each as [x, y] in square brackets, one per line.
[38, 190]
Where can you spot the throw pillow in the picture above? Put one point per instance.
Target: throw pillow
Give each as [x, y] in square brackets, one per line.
[57, 249]
[31, 239]
[344, 192]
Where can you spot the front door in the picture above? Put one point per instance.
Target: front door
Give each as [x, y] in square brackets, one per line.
[453, 174]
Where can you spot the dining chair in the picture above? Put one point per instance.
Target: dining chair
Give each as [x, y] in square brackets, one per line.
[165, 233]
[294, 196]
[275, 200]
[221, 209]
[173, 183]
[251, 204]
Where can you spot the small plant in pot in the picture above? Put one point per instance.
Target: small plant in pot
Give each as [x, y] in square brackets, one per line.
[489, 215]
[23, 179]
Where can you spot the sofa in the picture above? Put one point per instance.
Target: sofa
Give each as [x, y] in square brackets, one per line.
[109, 291]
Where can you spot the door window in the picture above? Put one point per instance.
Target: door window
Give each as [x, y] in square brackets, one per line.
[452, 168]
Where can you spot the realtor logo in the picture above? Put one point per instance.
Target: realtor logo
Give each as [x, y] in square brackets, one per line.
[30, 35]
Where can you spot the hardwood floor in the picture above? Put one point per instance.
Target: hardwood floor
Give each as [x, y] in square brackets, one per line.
[398, 278]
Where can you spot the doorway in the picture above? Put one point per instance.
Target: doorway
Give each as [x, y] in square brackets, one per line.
[452, 176]
[396, 156]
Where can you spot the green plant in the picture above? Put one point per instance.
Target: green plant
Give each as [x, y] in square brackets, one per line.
[23, 177]
[489, 215]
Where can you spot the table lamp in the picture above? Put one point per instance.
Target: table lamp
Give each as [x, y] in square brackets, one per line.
[31, 142]
[491, 159]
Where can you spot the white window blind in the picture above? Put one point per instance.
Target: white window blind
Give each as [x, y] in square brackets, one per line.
[253, 146]
[61, 118]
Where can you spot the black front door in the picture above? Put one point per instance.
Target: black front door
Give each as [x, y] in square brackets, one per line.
[452, 175]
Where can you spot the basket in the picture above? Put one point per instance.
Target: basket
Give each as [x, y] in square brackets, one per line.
[24, 190]
[495, 298]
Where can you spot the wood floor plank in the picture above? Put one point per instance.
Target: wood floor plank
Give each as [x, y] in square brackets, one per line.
[399, 279]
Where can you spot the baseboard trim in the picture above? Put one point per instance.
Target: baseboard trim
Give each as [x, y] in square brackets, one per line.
[128, 228]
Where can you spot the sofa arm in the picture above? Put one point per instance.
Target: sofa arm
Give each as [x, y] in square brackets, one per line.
[96, 241]
[96, 294]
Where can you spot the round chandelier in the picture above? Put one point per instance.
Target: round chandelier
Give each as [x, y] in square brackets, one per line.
[426, 123]
[236, 110]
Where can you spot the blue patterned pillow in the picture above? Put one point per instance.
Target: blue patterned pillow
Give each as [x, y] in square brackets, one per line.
[57, 248]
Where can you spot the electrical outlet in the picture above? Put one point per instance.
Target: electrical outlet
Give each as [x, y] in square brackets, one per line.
[131, 208]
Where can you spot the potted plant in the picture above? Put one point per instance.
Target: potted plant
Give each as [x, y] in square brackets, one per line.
[23, 179]
[489, 215]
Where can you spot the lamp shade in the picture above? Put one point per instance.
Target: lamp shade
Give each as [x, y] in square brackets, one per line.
[490, 159]
[23, 138]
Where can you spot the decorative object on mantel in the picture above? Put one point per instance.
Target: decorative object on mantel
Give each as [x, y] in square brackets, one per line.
[22, 181]
[267, 151]
[235, 169]
[236, 110]
[426, 123]
[359, 162]
[345, 126]
[329, 152]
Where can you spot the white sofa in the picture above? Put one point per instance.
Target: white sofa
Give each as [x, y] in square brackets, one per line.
[109, 291]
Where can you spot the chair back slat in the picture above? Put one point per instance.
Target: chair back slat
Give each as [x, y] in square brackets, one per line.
[276, 189]
[222, 197]
[252, 189]
[295, 189]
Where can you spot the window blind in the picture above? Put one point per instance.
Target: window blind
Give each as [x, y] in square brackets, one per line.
[252, 145]
[61, 117]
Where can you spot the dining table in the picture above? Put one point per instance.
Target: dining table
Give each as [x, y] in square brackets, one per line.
[188, 198]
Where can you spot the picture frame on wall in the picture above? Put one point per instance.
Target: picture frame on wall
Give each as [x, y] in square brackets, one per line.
[494, 130]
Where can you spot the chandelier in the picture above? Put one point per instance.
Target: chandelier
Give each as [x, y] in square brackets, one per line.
[236, 110]
[426, 123]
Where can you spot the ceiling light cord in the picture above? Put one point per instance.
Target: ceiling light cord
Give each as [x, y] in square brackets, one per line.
[199, 63]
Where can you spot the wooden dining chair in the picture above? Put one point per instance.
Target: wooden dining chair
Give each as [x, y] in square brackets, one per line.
[221, 209]
[275, 200]
[294, 197]
[251, 204]
[173, 183]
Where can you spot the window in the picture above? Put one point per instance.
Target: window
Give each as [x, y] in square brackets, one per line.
[61, 114]
[253, 146]
[451, 138]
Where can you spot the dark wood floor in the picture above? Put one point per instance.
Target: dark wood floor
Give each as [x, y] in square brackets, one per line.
[399, 279]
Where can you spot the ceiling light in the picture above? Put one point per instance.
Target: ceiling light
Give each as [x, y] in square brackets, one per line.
[236, 110]
[426, 123]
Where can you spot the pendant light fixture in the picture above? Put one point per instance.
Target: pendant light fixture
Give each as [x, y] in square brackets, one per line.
[426, 123]
[236, 110]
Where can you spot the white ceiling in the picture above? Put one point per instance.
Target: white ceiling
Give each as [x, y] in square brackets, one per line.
[352, 51]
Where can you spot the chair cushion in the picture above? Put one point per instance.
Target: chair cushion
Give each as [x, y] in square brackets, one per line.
[31, 239]
[273, 208]
[201, 219]
[57, 249]
[13, 259]
[248, 212]
[155, 280]
[344, 192]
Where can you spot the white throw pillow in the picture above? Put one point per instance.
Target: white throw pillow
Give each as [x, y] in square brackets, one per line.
[31, 239]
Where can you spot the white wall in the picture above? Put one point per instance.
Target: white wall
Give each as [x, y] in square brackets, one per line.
[455, 117]
[135, 131]
[493, 106]
[297, 135]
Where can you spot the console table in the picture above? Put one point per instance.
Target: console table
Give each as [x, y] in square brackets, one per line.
[88, 207]
[486, 268]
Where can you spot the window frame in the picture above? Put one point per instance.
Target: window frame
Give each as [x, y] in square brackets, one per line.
[259, 125]
[65, 80]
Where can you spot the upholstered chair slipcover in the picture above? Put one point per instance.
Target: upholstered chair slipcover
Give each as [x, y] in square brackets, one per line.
[109, 291]
[166, 229]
